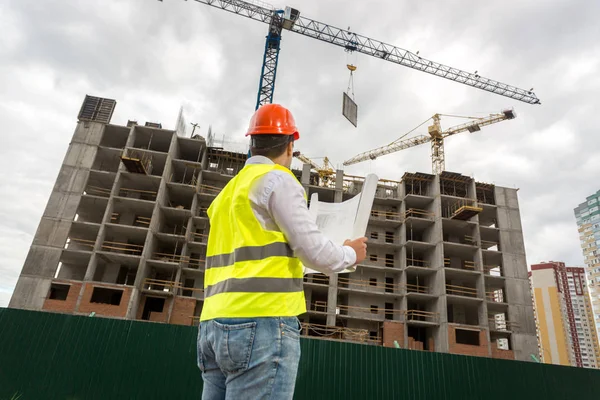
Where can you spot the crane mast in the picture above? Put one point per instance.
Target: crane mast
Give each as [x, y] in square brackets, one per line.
[290, 19]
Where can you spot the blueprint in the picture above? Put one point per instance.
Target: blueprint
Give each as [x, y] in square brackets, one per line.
[345, 220]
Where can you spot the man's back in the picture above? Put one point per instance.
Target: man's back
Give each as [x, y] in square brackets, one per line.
[261, 234]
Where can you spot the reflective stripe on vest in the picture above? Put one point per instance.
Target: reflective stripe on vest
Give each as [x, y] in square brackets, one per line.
[249, 254]
[255, 285]
[250, 271]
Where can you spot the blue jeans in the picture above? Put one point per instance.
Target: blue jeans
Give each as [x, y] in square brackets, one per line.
[249, 358]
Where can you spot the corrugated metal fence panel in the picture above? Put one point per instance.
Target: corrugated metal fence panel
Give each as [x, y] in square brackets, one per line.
[54, 356]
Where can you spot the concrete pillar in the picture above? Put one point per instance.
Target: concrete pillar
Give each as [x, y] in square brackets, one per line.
[514, 263]
[439, 279]
[332, 295]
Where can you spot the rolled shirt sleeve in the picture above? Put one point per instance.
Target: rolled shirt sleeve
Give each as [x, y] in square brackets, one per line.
[283, 198]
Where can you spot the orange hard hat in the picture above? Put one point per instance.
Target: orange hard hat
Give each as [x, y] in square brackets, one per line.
[273, 119]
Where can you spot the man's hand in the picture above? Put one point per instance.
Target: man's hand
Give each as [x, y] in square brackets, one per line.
[359, 246]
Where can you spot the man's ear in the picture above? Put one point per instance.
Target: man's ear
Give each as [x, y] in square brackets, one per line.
[290, 149]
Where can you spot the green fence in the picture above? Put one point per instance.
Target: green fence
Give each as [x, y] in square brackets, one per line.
[54, 356]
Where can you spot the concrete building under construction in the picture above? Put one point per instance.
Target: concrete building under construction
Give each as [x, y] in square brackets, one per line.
[124, 235]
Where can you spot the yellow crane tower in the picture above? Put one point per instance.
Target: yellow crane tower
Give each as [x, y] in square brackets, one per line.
[325, 171]
[436, 137]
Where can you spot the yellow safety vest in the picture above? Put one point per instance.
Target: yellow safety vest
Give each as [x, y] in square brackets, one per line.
[250, 271]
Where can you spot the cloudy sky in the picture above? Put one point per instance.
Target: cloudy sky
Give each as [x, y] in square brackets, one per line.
[154, 57]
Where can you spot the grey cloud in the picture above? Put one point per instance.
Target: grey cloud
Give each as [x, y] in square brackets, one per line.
[154, 56]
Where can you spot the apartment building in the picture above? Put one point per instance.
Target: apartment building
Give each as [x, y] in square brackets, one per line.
[587, 215]
[564, 317]
[125, 230]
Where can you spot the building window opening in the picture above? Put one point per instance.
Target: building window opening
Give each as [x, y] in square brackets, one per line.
[153, 305]
[106, 296]
[389, 285]
[59, 292]
[464, 336]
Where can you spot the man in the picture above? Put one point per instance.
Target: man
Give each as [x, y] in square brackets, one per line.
[261, 234]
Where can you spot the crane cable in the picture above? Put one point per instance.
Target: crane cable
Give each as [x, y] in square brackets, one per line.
[351, 65]
[352, 68]
[411, 131]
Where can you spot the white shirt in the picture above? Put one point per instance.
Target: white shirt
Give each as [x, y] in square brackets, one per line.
[278, 203]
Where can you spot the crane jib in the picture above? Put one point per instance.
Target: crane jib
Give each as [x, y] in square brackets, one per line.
[263, 12]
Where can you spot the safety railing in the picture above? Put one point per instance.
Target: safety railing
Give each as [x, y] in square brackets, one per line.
[421, 316]
[318, 306]
[462, 209]
[379, 262]
[416, 288]
[171, 258]
[74, 243]
[415, 262]
[461, 291]
[172, 287]
[418, 213]
[317, 279]
[139, 221]
[466, 239]
[159, 285]
[386, 215]
[386, 238]
[139, 194]
[123, 248]
[371, 285]
[97, 191]
[464, 264]
[196, 263]
[367, 312]
[199, 238]
[210, 190]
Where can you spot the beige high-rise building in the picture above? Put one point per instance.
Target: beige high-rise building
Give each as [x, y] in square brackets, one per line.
[564, 316]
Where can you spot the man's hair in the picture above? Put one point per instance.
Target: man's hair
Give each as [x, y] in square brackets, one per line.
[270, 146]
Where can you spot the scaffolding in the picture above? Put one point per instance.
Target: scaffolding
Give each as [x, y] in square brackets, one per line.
[417, 183]
[225, 162]
[463, 210]
[190, 179]
[485, 193]
[137, 162]
[453, 184]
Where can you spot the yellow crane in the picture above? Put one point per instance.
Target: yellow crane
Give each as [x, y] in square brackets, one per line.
[436, 137]
[325, 171]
